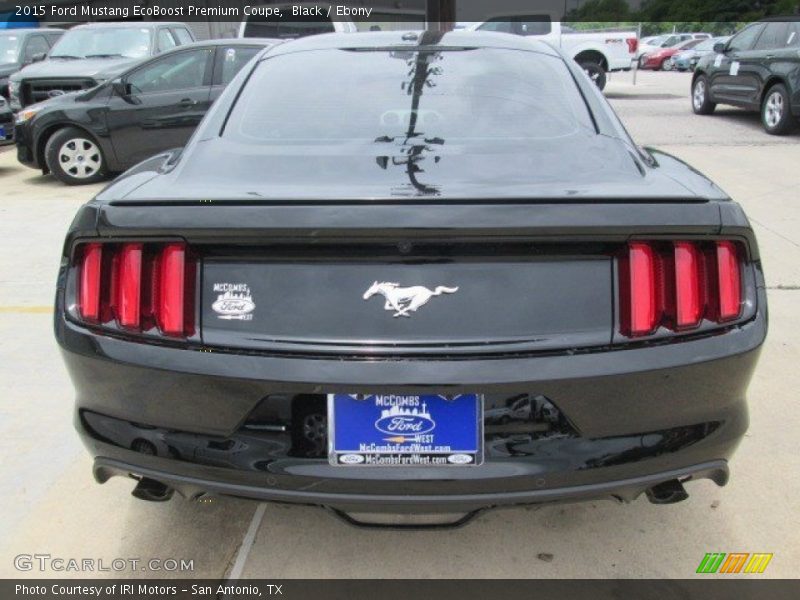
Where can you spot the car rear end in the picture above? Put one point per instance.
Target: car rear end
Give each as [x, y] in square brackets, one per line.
[432, 351]
[634, 345]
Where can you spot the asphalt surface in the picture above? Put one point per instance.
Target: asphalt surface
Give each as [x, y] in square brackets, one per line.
[51, 504]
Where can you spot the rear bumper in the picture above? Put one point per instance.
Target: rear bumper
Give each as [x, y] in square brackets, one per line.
[621, 64]
[191, 484]
[638, 417]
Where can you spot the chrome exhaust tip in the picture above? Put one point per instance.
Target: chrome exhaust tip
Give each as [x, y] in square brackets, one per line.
[152, 490]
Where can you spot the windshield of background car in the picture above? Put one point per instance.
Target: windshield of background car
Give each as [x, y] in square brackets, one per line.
[707, 45]
[434, 97]
[131, 42]
[9, 48]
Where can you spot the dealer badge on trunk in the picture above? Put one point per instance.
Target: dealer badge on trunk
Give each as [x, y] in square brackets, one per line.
[405, 300]
[235, 302]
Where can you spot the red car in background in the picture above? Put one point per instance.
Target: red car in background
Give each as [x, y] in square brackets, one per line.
[662, 58]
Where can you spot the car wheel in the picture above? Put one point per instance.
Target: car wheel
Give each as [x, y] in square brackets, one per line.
[701, 103]
[74, 157]
[596, 73]
[776, 116]
[667, 64]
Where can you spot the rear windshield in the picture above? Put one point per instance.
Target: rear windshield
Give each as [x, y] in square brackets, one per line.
[442, 96]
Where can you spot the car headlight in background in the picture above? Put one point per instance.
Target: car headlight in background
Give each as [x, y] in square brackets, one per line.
[26, 114]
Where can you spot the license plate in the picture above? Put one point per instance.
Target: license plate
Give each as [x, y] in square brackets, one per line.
[2, 132]
[399, 430]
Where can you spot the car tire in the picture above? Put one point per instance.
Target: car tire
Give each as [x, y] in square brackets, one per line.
[74, 157]
[596, 73]
[666, 64]
[776, 114]
[701, 103]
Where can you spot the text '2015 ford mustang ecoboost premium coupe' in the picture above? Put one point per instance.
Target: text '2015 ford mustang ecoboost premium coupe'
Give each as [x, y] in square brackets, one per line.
[409, 276]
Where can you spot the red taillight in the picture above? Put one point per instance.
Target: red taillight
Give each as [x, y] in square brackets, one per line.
[140, 287]
[678, 285]
[689, 285]
[89, 282]
[640, 296]
[728, 281]
[171, 282]
[128, 286]
[633, 45]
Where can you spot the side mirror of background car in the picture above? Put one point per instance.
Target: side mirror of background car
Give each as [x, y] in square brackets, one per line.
[719, 47]
[29, 60]
[124, 90]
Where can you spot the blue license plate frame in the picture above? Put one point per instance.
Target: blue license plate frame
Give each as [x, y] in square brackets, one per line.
[405, 430]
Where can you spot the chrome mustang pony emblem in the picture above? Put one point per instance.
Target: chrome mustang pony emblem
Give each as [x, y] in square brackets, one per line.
[403, 300]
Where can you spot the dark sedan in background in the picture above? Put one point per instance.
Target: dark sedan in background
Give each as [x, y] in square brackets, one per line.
[757, 69]
[154, 106]
[375, 243]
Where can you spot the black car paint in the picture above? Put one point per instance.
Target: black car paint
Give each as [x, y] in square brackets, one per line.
[758, 70]
[129, 130]
[632, 413]
[26, 52]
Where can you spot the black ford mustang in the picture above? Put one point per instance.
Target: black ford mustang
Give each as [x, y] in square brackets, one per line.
[412, 273]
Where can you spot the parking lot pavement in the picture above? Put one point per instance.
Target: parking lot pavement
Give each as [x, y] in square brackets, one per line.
[53, 506]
